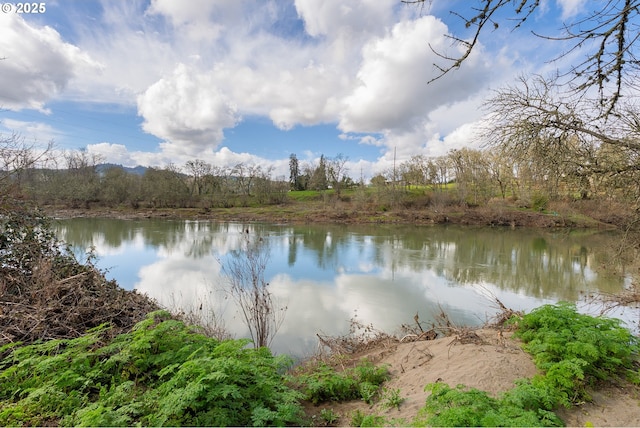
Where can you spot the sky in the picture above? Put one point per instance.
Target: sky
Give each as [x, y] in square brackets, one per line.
[158, 82]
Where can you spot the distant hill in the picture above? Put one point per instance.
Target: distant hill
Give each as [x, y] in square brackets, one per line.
[138, 170]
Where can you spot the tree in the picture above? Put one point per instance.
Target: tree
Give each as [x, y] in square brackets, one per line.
[18, 160]
[438, 170]
[608, 35]
[246, 176]
[80, 180]
[336, 172]
[500, 169]
[118, 186]
[318, 180]
[535, 122]
[245, 271]
[472, 175]
[164, 188]
[414, 171]
[268, 190]
[294, 173]
[197, 169]
[379, 181]
[219, 185]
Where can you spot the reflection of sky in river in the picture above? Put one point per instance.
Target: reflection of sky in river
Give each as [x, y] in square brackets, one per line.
[122, 262]
[325, 278]
[350, 259]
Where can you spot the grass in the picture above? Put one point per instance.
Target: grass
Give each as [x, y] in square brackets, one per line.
[163, 372]
[308, 195]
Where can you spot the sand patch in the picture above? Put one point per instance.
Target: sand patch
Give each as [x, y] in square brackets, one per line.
[490, 361]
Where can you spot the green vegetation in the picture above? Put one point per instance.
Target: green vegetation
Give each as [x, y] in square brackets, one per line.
[359, 419]
[161, 373]
[490, 181]
[392, 398]
[329, 416]
[165, 373]
[572, 350]
[458, 406]
[576, 350]
[321, 382]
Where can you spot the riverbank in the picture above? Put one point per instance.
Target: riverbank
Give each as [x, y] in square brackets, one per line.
[581, 214]
[488, 359]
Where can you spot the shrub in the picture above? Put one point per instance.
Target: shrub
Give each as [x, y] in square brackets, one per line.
[323, 383]
[359, 419]
[459, 406]
[573, 350]
[539, 201]
[161, 373]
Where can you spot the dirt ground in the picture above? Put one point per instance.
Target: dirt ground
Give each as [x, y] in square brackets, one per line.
[492, 361]
[348, 213]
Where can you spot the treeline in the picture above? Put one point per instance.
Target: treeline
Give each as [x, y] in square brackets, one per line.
[466, 176]
[81, 182]
[474, 177]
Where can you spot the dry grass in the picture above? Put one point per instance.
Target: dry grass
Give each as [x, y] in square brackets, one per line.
[367, 340]
[630, 297]
[48, 307]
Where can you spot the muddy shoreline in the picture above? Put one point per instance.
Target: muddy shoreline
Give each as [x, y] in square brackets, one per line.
[336, 214]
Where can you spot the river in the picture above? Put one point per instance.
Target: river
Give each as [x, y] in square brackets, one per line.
[326, 275]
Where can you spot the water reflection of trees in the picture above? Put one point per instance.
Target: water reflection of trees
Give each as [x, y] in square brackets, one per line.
[196, 239]
[559, 264]
[84, 232]
[536, 263]
[325, 244]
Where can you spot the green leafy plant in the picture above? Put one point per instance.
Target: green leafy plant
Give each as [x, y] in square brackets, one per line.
[368, 391]
[539, 201]
[576, 350]
[161, 373]
[322, 383]
[329, 416]
[359, 419]
[572, 350]
[460, 406]
[392, 398]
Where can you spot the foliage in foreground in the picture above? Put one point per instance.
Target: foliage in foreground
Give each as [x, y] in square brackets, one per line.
[459, 406]
[161, 373]
[324, 383]
[571, 349]
[45, 292]
[164, 373]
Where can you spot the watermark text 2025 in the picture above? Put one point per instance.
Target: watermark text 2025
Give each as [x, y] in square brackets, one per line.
[23, 7]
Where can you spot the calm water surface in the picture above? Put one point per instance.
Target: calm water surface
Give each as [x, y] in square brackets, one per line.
[325, 275]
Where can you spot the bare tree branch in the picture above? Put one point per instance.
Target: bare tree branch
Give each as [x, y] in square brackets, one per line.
[248, 287]
[608, 35]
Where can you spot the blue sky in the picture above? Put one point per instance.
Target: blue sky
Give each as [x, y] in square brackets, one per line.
[228, 81]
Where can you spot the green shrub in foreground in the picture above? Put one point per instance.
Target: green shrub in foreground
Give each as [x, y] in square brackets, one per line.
[161, 373]
[458, 406]
[323, 383]
[563, 340]
[572, 351]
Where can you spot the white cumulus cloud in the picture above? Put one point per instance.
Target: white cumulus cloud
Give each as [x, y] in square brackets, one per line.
[188, 110]
[38, 65]
[394, 92]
